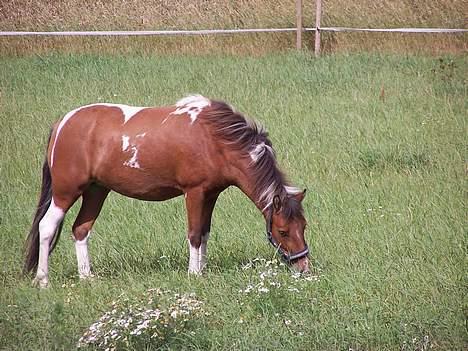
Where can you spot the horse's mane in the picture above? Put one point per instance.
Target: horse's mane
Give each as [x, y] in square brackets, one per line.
[250, 140]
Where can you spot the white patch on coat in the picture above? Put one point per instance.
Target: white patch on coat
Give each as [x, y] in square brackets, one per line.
[127, 111]
[82, 257]
[129, 146]
[133, 161]
[191, 105]
[125, 142]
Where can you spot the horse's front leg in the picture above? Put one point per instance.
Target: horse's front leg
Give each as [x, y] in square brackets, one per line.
[209, 204]
[199, 210]
[93, 199]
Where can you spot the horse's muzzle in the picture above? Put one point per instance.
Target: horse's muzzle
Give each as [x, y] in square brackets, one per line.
[301, 265]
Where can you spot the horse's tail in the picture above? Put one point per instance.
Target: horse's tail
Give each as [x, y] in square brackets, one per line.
[32, 242]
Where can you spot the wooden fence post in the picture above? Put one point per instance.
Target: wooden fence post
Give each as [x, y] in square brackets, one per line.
[318, 15]
[299, 24]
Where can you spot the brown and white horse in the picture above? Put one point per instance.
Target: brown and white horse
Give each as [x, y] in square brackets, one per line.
[197, 148]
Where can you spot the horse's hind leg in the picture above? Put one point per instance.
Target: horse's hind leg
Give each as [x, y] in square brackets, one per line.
[48, 227]
[93, 199]
[49, 230]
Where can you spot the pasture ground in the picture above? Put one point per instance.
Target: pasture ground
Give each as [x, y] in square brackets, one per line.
[379, 141]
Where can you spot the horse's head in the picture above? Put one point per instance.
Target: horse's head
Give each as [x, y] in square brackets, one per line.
[285, 229]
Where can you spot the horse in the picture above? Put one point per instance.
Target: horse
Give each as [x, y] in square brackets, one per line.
[195, 148]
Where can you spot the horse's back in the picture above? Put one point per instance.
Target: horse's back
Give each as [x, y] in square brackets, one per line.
[148, 153]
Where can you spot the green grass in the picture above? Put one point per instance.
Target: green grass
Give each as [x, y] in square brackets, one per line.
[385, 174]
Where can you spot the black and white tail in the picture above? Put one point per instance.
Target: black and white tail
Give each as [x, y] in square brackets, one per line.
[32, 241]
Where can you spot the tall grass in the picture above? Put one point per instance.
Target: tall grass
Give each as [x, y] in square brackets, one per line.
[207, 14]
[379, 141]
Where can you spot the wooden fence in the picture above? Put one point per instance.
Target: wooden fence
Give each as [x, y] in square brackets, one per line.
[300, 29]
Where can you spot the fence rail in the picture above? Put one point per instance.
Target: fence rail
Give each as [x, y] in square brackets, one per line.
[393, 30]
[230, 31]
[299, 30]
[151, 32]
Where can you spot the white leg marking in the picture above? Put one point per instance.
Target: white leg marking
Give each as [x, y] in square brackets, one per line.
[47, 228]
[197, 261]
[127, 111]
[84, 268]
[194, 261]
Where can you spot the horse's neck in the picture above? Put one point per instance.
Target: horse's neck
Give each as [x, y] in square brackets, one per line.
[246, 181]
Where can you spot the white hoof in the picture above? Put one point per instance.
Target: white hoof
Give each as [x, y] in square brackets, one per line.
[194, 272]
[87, 277]
[41, 283]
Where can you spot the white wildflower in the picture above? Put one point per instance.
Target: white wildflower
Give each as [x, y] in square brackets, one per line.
[296, 275]
[125, 320]
[248, 289]
[270, 278]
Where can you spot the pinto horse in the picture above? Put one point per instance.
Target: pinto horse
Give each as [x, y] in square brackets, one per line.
[196, 148]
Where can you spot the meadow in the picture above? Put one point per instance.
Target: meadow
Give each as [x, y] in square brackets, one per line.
[378, 140]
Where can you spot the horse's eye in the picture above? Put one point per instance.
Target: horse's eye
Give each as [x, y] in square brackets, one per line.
[283, 233]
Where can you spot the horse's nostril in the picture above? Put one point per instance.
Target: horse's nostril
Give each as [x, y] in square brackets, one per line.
[302, 265]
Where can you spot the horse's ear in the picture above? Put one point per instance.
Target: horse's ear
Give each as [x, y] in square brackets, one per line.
[277, 203]
[300, 196]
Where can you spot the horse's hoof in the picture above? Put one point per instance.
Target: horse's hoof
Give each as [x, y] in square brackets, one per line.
[195, 273]
[40, 283]
[88, 278]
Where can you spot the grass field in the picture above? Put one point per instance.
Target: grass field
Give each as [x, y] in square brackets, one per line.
[379, 142]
